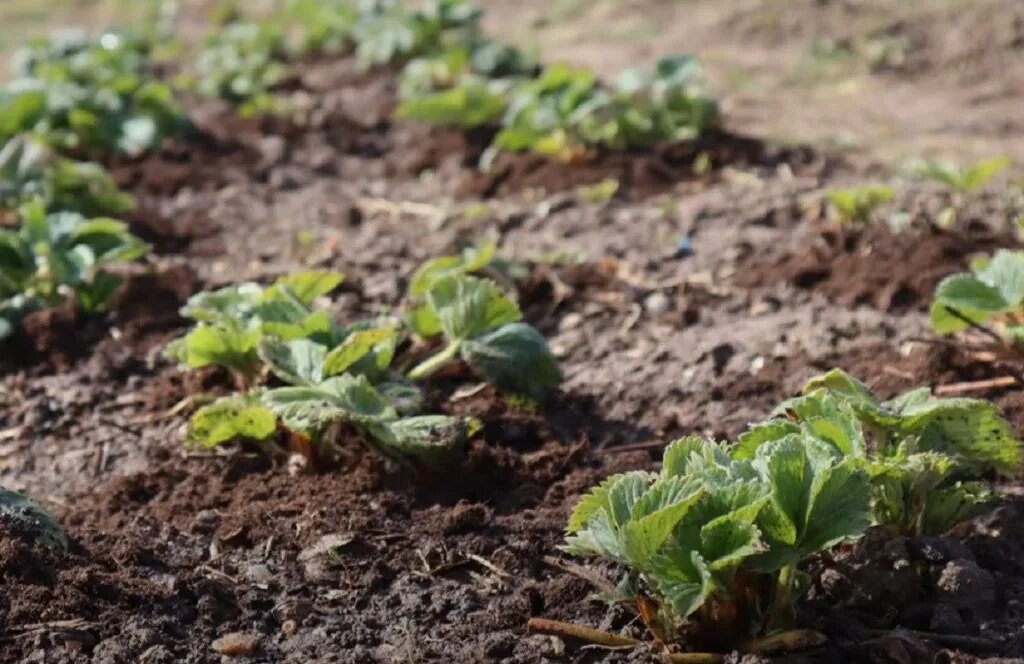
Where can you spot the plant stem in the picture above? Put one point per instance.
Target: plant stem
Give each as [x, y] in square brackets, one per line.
[598, 637]
[782, 604]
[694, 658]
[788, 641]
[435, 362]
[983, 329]
[561, 630]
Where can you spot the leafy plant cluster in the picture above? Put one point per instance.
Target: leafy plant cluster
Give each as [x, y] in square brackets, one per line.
[857, 205]
[452, 74]
[298, 368]
[31, 170]
[960, 179]
[240, 63]
[712, 544]
[73, 96]
[243, 61]
[90, 96]
[559, 111]
[53, 256]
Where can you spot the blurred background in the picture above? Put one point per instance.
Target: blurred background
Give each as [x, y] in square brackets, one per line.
[884, 80]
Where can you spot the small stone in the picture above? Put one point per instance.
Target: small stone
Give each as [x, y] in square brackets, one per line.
[205, 522]
[318, 561]
[236, 644]
[656, 303]
[289, 627]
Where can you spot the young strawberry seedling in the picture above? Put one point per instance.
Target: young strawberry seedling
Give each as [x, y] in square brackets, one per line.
[241, 63]
[483, 328]
[52, 257]
[338, 378]
[388, 32]
[961, 179]
[233, 321]
[711, 544]
[984, 307]
[857, 205]
[565, 113]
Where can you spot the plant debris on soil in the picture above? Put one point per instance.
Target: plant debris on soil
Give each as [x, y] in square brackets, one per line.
[184, 557]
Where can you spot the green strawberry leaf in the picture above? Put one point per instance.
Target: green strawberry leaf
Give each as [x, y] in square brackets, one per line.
[306, 286]
[468, 307]
[471, 260]
[237, 417]
[970, 297]
[359, 345]
[515, 359]
[426, 439]
[296, 362]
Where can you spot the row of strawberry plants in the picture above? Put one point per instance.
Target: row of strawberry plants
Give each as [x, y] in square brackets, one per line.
[73, 97]
[453, 74]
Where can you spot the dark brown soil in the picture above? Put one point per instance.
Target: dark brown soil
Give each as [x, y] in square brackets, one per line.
[173, 550]
[889, 271]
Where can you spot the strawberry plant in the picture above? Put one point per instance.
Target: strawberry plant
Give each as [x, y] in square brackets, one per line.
[473, 102]
[90, 95]
[467, 85]
[333, 375]
[31, 170]
[565, 112]
[49, 258]
[471, 260]
[233, 321]
[857, 205]
[711, 544]
[478, 57]
[922, 453]
[986, 304]
[326, 25]
[961, 179]
[387, 31]
[297, 367]
[241, 63]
